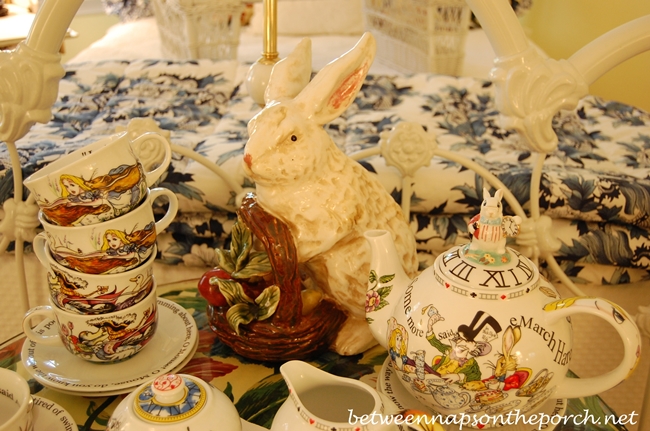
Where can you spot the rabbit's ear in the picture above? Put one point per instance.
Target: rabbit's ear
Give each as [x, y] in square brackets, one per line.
[508, 341]
[499, 194]
[334, 88]
[516, 331]
[486, 194]
[291, 74]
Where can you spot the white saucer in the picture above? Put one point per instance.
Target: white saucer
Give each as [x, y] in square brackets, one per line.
[121, 391]
[49, 416]
[389, 384]
[171, 347]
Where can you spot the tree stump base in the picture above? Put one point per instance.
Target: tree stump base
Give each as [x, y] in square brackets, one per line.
[263, 341]
[287, 335]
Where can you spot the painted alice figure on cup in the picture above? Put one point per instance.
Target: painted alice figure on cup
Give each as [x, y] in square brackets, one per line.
[72, 293]
[115, 337]
[84, 202]
[118, 251]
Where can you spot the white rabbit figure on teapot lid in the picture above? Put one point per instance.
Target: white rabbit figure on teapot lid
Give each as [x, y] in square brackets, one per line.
[489, 228]
[327, 199]
[493, 334]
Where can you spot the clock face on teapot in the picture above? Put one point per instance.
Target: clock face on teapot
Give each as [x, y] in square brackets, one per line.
[487, 275]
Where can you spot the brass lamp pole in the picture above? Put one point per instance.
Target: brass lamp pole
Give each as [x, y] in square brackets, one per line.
[258, 75]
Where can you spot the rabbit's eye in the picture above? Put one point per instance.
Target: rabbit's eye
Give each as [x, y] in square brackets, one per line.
[294, 138]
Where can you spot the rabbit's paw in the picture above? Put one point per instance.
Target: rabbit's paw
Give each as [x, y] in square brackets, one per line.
[353, 338]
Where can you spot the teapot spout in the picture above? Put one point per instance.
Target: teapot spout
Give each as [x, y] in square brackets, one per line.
[387, 282]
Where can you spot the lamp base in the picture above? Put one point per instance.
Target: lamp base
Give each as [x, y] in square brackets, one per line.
[257, 78]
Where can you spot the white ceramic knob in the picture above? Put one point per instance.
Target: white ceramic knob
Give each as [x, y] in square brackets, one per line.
[169, 389]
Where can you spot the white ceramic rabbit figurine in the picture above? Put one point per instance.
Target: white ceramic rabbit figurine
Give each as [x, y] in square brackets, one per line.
[487, 229]
[327, 199]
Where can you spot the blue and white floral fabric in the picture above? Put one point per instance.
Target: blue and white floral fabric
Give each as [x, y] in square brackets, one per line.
[595, 186]
[128, 10]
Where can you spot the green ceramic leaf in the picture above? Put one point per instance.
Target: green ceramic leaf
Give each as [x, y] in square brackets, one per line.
[258, 264]
[242, 258]
[386, 278]
[224, 261]
[235, 239]
[268, 302]
[240, 245]
[233, 292]
[239, 314]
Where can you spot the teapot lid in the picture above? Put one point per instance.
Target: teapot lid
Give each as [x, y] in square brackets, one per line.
[170, 398]
[485, 267]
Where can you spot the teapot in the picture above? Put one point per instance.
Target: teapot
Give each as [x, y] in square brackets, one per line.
[175, 402]
[481, 332]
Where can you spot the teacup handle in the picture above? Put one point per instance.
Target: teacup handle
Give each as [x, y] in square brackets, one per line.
[172, 209]
[47, 312]
[148, 154]
[39, 245]
[624, 325]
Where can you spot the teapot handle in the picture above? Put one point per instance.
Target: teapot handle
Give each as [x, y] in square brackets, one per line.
[624, 325]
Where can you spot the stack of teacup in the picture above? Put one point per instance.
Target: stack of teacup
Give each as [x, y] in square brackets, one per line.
[99, 245]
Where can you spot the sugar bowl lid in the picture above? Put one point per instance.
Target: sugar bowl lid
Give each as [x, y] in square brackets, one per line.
[174, 402]
[170, 398]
